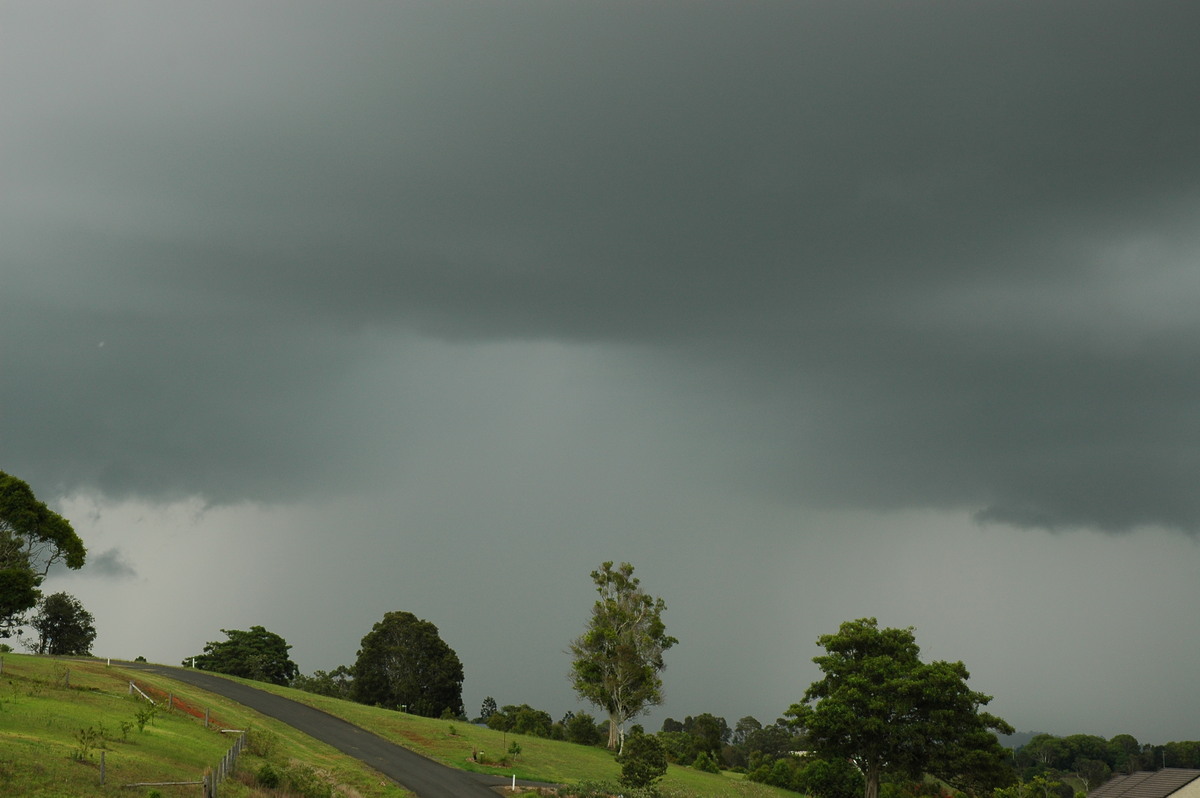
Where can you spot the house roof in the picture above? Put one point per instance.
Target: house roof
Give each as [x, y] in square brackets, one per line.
[1146, 784]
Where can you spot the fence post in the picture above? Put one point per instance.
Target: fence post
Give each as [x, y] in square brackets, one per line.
[206, 717]
[102, 767]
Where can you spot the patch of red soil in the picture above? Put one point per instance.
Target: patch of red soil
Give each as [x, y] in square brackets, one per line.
[179, 704]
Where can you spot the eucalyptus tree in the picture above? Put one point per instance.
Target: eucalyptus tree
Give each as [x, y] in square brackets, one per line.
[617, 662]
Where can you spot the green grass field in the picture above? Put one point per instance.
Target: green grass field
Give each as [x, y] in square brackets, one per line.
[58, 716]
[453, 743]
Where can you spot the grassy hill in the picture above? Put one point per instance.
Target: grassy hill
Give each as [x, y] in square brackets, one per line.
[56, 716]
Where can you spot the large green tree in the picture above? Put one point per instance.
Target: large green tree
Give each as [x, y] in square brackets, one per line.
[255, 654]
[885, 710]
[32, 538]
[64, 627]
[403, 663]
[617, 660]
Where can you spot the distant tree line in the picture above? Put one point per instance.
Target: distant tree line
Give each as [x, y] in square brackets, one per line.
[1053, 763]
[402, 664]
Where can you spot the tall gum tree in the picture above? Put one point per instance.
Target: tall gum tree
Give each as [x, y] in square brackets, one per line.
[617, 661]
[885, 710]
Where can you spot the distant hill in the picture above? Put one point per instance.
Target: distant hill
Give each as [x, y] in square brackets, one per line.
[1017, 740]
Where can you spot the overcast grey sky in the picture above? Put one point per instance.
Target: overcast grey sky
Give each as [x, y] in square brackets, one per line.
[810, 310]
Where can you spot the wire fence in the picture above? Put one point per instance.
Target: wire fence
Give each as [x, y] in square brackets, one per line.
[211, 780]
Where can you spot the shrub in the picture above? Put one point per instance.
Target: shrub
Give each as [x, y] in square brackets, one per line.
[268, 776]
[306, 781]
[643, 762]
[262, 743]
[144, 716]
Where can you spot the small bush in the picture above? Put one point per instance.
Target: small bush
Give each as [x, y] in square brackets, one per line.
[267, 776]
[86, 740]
[306, 782]
[262, 743]
[643, 761]
[144, 716]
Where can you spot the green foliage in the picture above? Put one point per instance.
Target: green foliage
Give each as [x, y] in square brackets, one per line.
[32, 538]
[680, 746]
[514, 749]
[262, 742]
[144, 716]
[581, 729]
[522, 719]
[403, 663]
[88, 739]
[267, 776]
[643, 761]
[616, 662]
[305, 782]
[338, 683]
[64, 627]
[255, 654]
[706, 762]
[882, 708]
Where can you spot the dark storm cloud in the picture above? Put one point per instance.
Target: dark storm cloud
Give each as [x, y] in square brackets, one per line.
[930, 254]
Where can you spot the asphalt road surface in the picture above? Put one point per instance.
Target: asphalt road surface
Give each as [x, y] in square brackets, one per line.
[423, 776]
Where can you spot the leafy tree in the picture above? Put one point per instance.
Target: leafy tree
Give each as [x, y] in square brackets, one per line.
[527, 720]
[709, 730]
[64, 627]
[338, 683]
[1123, 752]
[403, 663]
[828, 778]
[522, 719]
[488, 709]
[32, 538]
[744, 728]
[1094, 772]
[883, 709]
[255, 654]
[680, 746]
[581, 729]
[618, 659]
[643, 761]
[1181, 754]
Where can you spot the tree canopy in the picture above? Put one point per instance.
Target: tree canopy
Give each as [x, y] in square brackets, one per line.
[255, 654]
[64, 627]
[618, 659]
[403, 663]
[32, 538]
[885, 710]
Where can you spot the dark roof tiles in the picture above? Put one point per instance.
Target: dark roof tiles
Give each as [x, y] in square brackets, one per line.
[1146, 784]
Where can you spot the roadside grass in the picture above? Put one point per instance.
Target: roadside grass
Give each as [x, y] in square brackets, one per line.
[59, 716]
[454, 743]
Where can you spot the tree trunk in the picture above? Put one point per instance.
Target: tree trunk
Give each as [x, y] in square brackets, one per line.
[614, 737]
[872, 779]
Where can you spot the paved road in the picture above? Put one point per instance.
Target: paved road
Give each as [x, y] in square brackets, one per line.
[426, 778]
